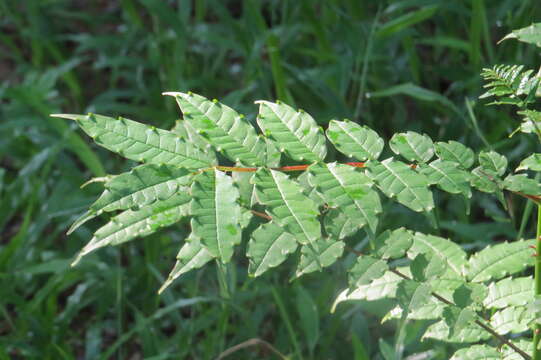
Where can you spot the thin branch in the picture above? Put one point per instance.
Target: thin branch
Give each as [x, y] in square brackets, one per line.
[248, 343]
[485, 327]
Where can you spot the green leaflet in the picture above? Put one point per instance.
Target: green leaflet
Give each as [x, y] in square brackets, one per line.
[455, 152]
[384, 287]
[491, 160]
[393, 244]
[425, 268]
[325, 254]
[477, 352]
[355, 140]
[530, 34]
[338, 226]
[470, 295]
[432, 309]
[495, 262]
[139, 142]
[366, 269]
[522, 184]
[412, 146]
[137, 188]
[189, 134]
[485, 180]
[457, 318]
[509, 83]
[223, 128]
[532, 162]
[448, 177]
[510, 354]
[511, 320]
[469, 334]
[347, 190]
[133, 223]
[192, 255]
[216, 213]
[396, 179]
[412, 295]
[443, 248]
[509, 292]
[269, 246]
[287, 205]
[294, 132]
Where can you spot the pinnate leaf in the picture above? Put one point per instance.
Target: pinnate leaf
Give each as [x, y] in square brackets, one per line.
[355, 140]
[294, 132]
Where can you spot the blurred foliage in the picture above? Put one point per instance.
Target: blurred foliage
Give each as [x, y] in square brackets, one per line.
[394, 65]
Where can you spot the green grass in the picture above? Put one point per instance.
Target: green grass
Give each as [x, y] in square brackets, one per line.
[395, 65]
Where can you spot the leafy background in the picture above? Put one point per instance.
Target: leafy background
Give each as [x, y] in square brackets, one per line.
[393, 65]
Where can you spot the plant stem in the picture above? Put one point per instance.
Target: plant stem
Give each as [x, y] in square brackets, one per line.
[480, 323]
[537, 280]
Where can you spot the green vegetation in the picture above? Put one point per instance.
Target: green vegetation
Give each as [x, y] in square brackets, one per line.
[400, 69]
